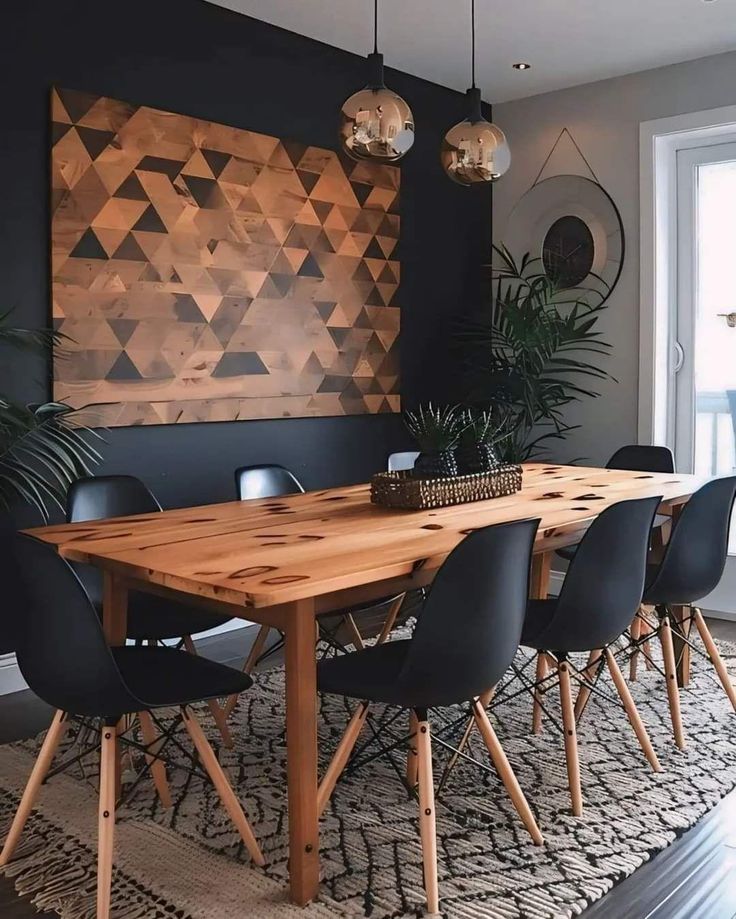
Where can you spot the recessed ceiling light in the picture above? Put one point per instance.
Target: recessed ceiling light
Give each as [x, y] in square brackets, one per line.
[522, 66]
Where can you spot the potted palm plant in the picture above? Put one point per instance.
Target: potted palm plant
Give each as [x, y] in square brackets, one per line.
[534, 353]
[43, 447]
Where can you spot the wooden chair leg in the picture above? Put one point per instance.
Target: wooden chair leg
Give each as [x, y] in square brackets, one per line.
[673, 690]
[506, 773]
[106, 818]
[354, 631]
[341, 757]
[645, 630]
[540, 674]
[635, 632]
[220, 719]
[50, 745]
[222, 786]
[257, 648]
[631, 711]
[716, 659]
[412, 760]
[390, 619]
[588, 673]
[427, 820]
[250, 662]
[218, 712]
[157, 766]
[571, 738]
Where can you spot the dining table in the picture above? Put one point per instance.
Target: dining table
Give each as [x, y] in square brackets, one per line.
[284, 561]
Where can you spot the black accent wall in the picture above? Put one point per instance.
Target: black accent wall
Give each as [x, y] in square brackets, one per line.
[195, 58]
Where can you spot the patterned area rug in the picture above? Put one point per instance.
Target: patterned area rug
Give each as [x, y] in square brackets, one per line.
[188, 863]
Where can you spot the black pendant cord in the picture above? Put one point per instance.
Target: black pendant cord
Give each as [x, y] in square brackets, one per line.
[375, 59]
[475, 115]
[472, 40]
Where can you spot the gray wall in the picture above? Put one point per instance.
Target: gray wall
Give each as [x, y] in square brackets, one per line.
[604, 119]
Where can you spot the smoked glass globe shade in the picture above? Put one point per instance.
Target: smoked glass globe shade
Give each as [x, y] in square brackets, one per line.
[475, 152]
[376, 124]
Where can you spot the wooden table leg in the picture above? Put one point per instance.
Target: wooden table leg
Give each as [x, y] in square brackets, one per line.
[301, 741]
[541, 568]
[114, 609]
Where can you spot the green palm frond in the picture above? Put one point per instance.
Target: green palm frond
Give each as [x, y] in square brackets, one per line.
[43, 448]
[537, 350]
[42, 451]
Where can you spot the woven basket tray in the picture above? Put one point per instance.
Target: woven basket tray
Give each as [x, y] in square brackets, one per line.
[402, 489]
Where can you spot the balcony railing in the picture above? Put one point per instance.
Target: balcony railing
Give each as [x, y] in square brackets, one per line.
[714, 434]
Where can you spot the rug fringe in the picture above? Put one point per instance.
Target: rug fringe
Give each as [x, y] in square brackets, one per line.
[58, 876]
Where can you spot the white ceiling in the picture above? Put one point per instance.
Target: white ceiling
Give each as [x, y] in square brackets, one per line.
[567, 41]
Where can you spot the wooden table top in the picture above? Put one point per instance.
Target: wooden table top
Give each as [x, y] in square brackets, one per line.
[276, 550]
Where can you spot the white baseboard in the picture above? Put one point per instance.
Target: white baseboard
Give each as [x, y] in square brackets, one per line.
[555, 582]
[10, 675]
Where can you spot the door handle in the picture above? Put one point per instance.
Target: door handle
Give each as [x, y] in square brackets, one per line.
[679, 357]
[730, 319]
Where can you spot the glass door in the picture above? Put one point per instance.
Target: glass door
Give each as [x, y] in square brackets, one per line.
[705, 390]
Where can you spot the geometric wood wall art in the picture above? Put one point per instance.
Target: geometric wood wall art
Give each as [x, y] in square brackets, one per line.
[207, 273]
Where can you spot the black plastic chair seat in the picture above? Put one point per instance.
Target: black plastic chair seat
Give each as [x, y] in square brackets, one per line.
[568, 552]
[153, 617]
[539, 615]
[149, 617]
[160, 677]
[370, 675]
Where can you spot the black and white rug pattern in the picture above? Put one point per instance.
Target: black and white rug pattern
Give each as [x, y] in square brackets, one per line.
[371, 856]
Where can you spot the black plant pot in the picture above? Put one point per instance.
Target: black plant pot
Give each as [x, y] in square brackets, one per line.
[474, 457]
[439, 465]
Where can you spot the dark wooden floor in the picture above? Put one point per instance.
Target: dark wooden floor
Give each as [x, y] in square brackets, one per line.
[695, 878]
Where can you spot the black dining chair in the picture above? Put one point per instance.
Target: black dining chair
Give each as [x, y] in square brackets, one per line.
[151, 618]
[464, 641]
[63, 656]
[272, 481]
[265, 481]
[599, 598]
[692, 566]
[635, 458]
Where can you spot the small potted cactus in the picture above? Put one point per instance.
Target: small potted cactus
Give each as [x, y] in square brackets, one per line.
[480, 432]
[436, 432]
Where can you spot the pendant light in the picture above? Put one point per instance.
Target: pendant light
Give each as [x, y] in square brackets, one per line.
[475, 152]
[376, 124]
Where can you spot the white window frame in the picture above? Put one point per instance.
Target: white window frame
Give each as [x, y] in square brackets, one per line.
[659, 142]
